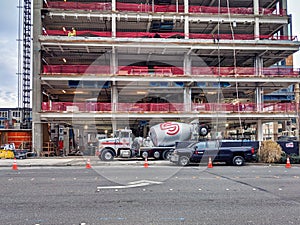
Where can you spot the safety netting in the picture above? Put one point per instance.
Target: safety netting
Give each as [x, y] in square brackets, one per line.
[167, 71]
[133, 7]
[167, 107]
[178, 35]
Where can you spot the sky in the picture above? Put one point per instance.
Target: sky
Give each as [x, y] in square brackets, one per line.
[9, 48]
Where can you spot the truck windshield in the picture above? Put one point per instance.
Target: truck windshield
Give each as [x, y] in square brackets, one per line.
[124, 135]
[117, 133]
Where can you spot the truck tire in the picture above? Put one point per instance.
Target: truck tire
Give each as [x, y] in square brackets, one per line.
[144, 155]
[238, 161]
[166, 155]
[183, 161]
[203, 130]
[156, 155]
[107, 155]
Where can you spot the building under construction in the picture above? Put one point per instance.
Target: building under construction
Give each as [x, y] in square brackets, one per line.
[101, 65]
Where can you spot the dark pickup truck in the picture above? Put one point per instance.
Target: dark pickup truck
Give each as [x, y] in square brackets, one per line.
[201, 151]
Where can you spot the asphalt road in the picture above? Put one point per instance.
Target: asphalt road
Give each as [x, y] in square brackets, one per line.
[155, 195]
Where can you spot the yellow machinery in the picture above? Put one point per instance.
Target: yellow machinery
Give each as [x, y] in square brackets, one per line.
[6, 154]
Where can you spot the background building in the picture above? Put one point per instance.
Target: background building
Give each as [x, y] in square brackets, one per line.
[103, 65]
[10, 127]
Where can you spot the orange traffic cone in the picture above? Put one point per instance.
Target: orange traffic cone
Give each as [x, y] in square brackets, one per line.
[15, 166]
[146, 163]
[288, 163]
[88, 164]
[209, 165]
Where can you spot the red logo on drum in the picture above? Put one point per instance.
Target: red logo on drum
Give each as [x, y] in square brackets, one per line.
[172, 128]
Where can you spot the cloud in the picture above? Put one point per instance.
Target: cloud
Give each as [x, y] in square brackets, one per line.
[8, 64]
[8, 53]
[9, 99]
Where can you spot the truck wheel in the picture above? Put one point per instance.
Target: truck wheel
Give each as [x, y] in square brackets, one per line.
[156, 154]
[203, 130]
[107, 155]
[166, 155]
[144, 155]
[183, 161]
[238, 161]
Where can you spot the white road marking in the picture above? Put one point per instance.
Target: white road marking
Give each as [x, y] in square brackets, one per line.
[133, 184]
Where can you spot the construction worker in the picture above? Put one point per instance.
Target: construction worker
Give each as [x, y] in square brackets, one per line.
[72, 33]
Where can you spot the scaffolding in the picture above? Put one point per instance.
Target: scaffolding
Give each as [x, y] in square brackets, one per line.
[25, 88]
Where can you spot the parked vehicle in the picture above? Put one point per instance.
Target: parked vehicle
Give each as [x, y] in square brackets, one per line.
[6, 154]
[201, 151]
[9, 151]
[161, 140]
[20, 154]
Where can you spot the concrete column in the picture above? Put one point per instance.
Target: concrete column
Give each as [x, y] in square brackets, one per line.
[258, 66]
[37, 129]
[256, 7]
[113, 5]
[113, 124]
[259, 131]
[256, 28]
[66, 141]
[114, 61]
[186, 19]
[285, 28]
[283, 5]
[113, 19]
[187, 98]
[259, 98]
[113, 26]
[256, 19]
[187, 64]
[114, 97]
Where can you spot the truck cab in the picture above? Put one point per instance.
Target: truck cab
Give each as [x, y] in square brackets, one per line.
[119, 145]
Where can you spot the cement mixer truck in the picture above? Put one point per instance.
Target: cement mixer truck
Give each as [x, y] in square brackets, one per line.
[159, 144]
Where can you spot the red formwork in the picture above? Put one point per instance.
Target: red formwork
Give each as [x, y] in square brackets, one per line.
[248, 71]
[78, 33]
[123, 107]
[278, 71]
[57, 106]
[133, 7]
[89, 33]
[134, 34]
[177, 70]
[168, 107]
[97, 69]
[202, 107]
[162, 107]
[284, 107]
[202, 71]
[177, 107]
[74, 106]
[133, 107]
[77, 69]
[166, 71]
[139, 70]
[102, 6]
[140, 107]
[45, 106]
[104, 106]
[91, 107]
